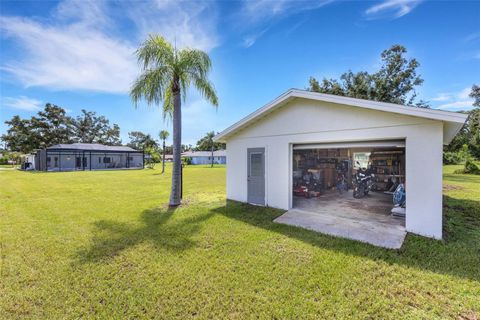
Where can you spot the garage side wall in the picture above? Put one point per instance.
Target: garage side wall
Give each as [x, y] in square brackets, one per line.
[304, 121]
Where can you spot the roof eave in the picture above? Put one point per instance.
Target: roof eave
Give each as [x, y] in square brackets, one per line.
[432, 114]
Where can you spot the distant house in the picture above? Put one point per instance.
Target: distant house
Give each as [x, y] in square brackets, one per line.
[87, 156]
[205, 157]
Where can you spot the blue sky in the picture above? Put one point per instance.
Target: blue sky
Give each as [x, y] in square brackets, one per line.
[80, 54]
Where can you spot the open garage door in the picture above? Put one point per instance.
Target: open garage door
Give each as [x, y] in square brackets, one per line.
[360, 179]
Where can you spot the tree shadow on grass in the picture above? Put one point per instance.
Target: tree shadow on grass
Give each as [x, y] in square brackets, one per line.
[112, 237]
[463, 178]
[458, 255]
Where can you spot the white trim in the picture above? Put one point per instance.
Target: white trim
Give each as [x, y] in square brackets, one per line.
[440, 115]
[355, 144]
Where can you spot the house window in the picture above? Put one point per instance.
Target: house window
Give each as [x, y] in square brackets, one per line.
[55, 159]
[106, 159]
[48, 160]
[130, 158]
[81, 162]
[99, 159]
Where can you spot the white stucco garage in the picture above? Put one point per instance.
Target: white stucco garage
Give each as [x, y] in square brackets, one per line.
[260, 148]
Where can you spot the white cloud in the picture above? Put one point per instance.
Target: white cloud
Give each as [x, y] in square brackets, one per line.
[250, 39]
[75, 56]
[465, 93]
[457, 105]
[22, 103]
[391, 8]
[257, 15]
[442, 97]
[257, 10]
[455, 101]
[80, 47]
[187, 23]
[473, 37]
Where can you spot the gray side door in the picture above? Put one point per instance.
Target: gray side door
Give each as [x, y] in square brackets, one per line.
[256, 176]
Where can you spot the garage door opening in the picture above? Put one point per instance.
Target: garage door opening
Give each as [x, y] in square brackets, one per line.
[364, 181]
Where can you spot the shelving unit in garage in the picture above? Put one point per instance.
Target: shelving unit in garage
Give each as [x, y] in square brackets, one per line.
[388, 167]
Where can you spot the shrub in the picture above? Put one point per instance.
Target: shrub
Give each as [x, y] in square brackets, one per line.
[452, 158]
[471, 167]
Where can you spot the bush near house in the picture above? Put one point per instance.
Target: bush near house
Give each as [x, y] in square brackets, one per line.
[452, 158]
[103, 245]
[470, 167]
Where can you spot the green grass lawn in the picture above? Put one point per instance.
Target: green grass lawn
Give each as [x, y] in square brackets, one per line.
[103, 245]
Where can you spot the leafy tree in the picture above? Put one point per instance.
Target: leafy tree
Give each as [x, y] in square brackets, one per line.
[207, 144]
[395, 82]
[90, 128]
[163, 136]
[469, 134]
[186, 147]
[141, 141]
[204, 145]
[20, 136]
[152, 157]
[111, 136]
[167, 75]
[52, 125]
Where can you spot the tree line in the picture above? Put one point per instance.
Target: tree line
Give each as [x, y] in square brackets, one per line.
[395, 82]
[52, 126]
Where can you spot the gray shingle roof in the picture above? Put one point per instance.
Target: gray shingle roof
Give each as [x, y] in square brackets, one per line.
[90, 147]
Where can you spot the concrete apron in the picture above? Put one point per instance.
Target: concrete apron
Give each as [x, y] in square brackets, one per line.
[380, 234]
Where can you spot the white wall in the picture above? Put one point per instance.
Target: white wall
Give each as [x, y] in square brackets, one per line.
[305, 121]
[208, 160]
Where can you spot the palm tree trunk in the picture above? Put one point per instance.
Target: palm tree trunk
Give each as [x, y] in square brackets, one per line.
[177, 144]
[163, 157]
[212, 156]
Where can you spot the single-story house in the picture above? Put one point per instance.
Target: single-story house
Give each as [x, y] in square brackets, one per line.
[168, 157]
[87, 156]
[304, 151]
[205, 157]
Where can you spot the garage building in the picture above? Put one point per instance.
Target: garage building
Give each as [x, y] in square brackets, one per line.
[308, 152]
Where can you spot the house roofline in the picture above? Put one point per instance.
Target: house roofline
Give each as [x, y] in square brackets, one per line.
[432, 114]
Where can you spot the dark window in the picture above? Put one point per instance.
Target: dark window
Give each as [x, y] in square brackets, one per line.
[106, 160]
[79, 161]
[48, 160]
[130, 158]
[99, 159]
[55, 159]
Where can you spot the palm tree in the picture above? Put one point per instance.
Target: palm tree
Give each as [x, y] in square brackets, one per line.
[167, 75]
[163, 136]
[210, 142]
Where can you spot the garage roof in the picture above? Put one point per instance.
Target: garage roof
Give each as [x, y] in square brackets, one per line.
[453, 121]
